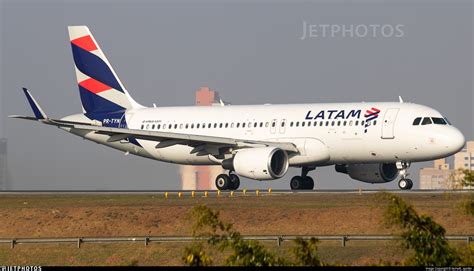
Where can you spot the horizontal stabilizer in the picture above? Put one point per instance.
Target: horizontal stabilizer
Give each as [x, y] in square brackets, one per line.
[22, 117]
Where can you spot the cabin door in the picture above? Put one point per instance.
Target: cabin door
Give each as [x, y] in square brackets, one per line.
[388, 123]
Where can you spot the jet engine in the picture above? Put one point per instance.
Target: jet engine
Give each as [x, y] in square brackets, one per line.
[370, 173]
[266, 163]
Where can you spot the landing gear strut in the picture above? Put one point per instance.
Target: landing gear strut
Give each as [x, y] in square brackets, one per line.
[303, 182]
[227, 182]
[404, 183]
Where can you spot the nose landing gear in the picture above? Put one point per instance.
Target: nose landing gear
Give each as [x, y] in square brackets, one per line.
[404, 183]
[303, 182]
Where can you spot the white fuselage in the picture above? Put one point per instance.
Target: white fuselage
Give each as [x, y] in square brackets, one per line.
[325, 134]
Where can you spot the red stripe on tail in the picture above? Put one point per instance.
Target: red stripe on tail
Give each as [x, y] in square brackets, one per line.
[85, 43]
[94, 86]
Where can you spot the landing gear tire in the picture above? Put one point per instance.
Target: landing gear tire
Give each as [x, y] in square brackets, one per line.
[405, 184]
[297, 183]
[308, 183]
[223, 182]
[234, 182]
[302, 183]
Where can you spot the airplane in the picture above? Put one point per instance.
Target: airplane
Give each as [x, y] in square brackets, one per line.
[372, 142]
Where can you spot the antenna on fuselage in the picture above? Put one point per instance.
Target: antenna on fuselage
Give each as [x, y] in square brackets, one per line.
[400, 99]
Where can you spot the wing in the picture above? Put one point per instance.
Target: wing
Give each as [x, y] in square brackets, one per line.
[166, 139]
[201, 143]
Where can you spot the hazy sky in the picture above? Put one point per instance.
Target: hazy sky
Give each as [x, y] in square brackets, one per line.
[251, 53]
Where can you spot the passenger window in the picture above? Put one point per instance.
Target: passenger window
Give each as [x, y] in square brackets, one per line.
[426, 121]
[238, 124]
[142, 126]
[243, 125]
[356, 123]
[254, 125]
[266, 124]
[153, 127]
[339, 123]
[232, 125]
[226, 125]
[297, 123]
[417, 121]
[283, 124]
[332, 123]
[176, 126]
[220, 125]
[362, 123]
[261, 124]
[209, 125]
[197, 125]
[215, 125]
[291, 124]
[158, 127]
[147, 126]
[192, 125]
[273, 124]
[302, 124]
[375, 122]
[327, 123]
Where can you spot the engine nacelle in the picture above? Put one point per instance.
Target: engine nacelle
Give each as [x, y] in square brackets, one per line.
[266, 163]
[370, 173]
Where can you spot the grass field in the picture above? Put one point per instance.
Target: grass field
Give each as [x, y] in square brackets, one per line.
[152, 215]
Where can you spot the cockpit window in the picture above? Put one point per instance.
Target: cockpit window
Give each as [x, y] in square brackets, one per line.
[426, 121]
[417, 121]
[447, 121]
[439, 121]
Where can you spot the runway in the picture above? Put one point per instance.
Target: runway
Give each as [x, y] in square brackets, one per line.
[236, 192]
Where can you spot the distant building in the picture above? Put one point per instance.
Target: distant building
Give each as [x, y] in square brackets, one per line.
[3, 164]
[440, 176]
[437, 177]
[465, 158]
[201, 177]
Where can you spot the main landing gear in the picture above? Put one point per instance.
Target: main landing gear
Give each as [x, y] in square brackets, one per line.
[404, 183]
[227, 182]
[303, 182]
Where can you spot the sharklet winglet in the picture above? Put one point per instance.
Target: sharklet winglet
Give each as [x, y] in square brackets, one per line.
[37, 110]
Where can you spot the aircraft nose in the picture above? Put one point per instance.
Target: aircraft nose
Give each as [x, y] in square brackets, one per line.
[453, 140]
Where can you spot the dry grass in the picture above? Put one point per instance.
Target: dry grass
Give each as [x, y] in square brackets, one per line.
[152, 215]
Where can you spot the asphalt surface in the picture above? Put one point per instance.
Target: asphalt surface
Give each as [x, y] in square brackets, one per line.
[211, 192]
